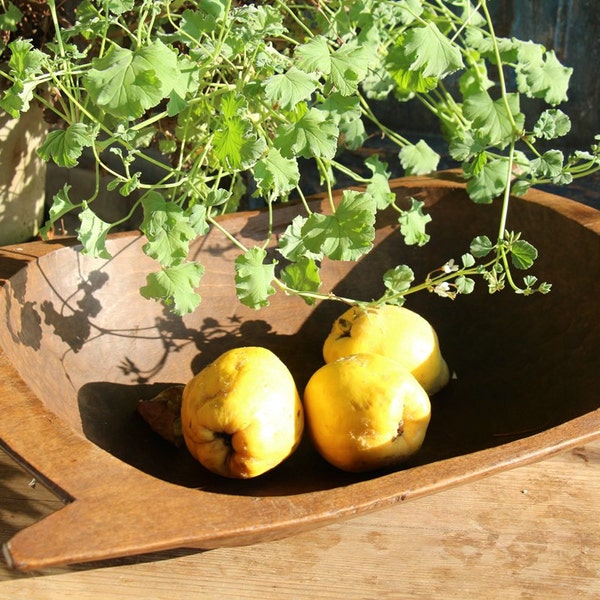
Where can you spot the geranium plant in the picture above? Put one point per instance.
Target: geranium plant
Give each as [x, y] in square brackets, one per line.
[236, 96]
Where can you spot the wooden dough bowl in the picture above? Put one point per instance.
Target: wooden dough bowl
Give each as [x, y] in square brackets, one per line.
[81, 347]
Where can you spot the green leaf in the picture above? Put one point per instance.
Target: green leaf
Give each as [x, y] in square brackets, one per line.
[552, 124]
[64, 146]
[118, 7]
[197, 218]
[313, 135]
[344, 109]
[175, 285]
[398, 279]
[61, 205]
[125, 83]
[475, 78]
[176, 104]
[348, 233]
[467, 260]
[466, 145]
[291, 243]
[24, 65]
[233, 105]
[464, 285]
[489, 182]
[481, 246]
[419, 158]
[520, 187]
[345, 112]
[408, 80]
[289, 88]
[167, 228]
[10, 18]
[197, 23]
[408, 11]
[492, 118]
[379, 186]
[541, 75]
[343, 68]
[522, 254]
[432, 52]
[550, 164]
[276, 174]
[302, 276]
[254, 278]
[349, 64]
[314, 56]
[92, 233]
[217, 197]
[413, 222]
[236, 145]
[25, 60]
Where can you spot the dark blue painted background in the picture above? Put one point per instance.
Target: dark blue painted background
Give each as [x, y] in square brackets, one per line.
[569, 27]
[572, 29]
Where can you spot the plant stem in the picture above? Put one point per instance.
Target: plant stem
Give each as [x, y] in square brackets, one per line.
[506, 195]
[314, 295]
[210, 219]
[499, 64]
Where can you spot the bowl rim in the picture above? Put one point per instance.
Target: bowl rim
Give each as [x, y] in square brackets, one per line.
[88, 479]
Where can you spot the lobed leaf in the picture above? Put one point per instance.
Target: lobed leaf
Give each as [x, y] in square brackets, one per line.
[61, 205]
[488, 182]
[254, 278]
[127, 82]
[291, 243]
[276, 174]
[541, 75]
[523, 254]
[302, 276]
[552, 124]
[419, 158]
[398, 279]
[175, 285]
[347, 234]
[92, 233]
[313, 135]
[65, 146]
[289, 88]
[481, 246]
[236, 145]
[168, 230]
[432, 53]
[379, 185]
[493, 119]
[412, 224]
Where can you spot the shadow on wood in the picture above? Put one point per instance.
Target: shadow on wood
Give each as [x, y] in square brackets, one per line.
[88, 348]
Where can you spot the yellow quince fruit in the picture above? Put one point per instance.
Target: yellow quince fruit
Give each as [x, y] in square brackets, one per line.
[366, 411]
[393, 331]
[242, 415]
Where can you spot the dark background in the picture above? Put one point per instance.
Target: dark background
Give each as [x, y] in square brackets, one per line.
[569, 27]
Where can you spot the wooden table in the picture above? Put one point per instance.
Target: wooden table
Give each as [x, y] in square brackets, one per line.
[530, 533]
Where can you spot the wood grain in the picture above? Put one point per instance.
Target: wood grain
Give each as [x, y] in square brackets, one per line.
[87, 347]
[528, 533]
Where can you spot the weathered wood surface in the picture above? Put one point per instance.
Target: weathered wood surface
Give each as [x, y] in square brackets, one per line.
[529, 533]
[88, 347]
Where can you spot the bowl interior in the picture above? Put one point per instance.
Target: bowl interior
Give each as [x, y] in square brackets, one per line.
[91, 347]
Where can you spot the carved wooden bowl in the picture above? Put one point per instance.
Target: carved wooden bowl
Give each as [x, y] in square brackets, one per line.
[80, 348]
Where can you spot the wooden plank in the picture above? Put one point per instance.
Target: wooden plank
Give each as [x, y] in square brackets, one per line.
[527, 533]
